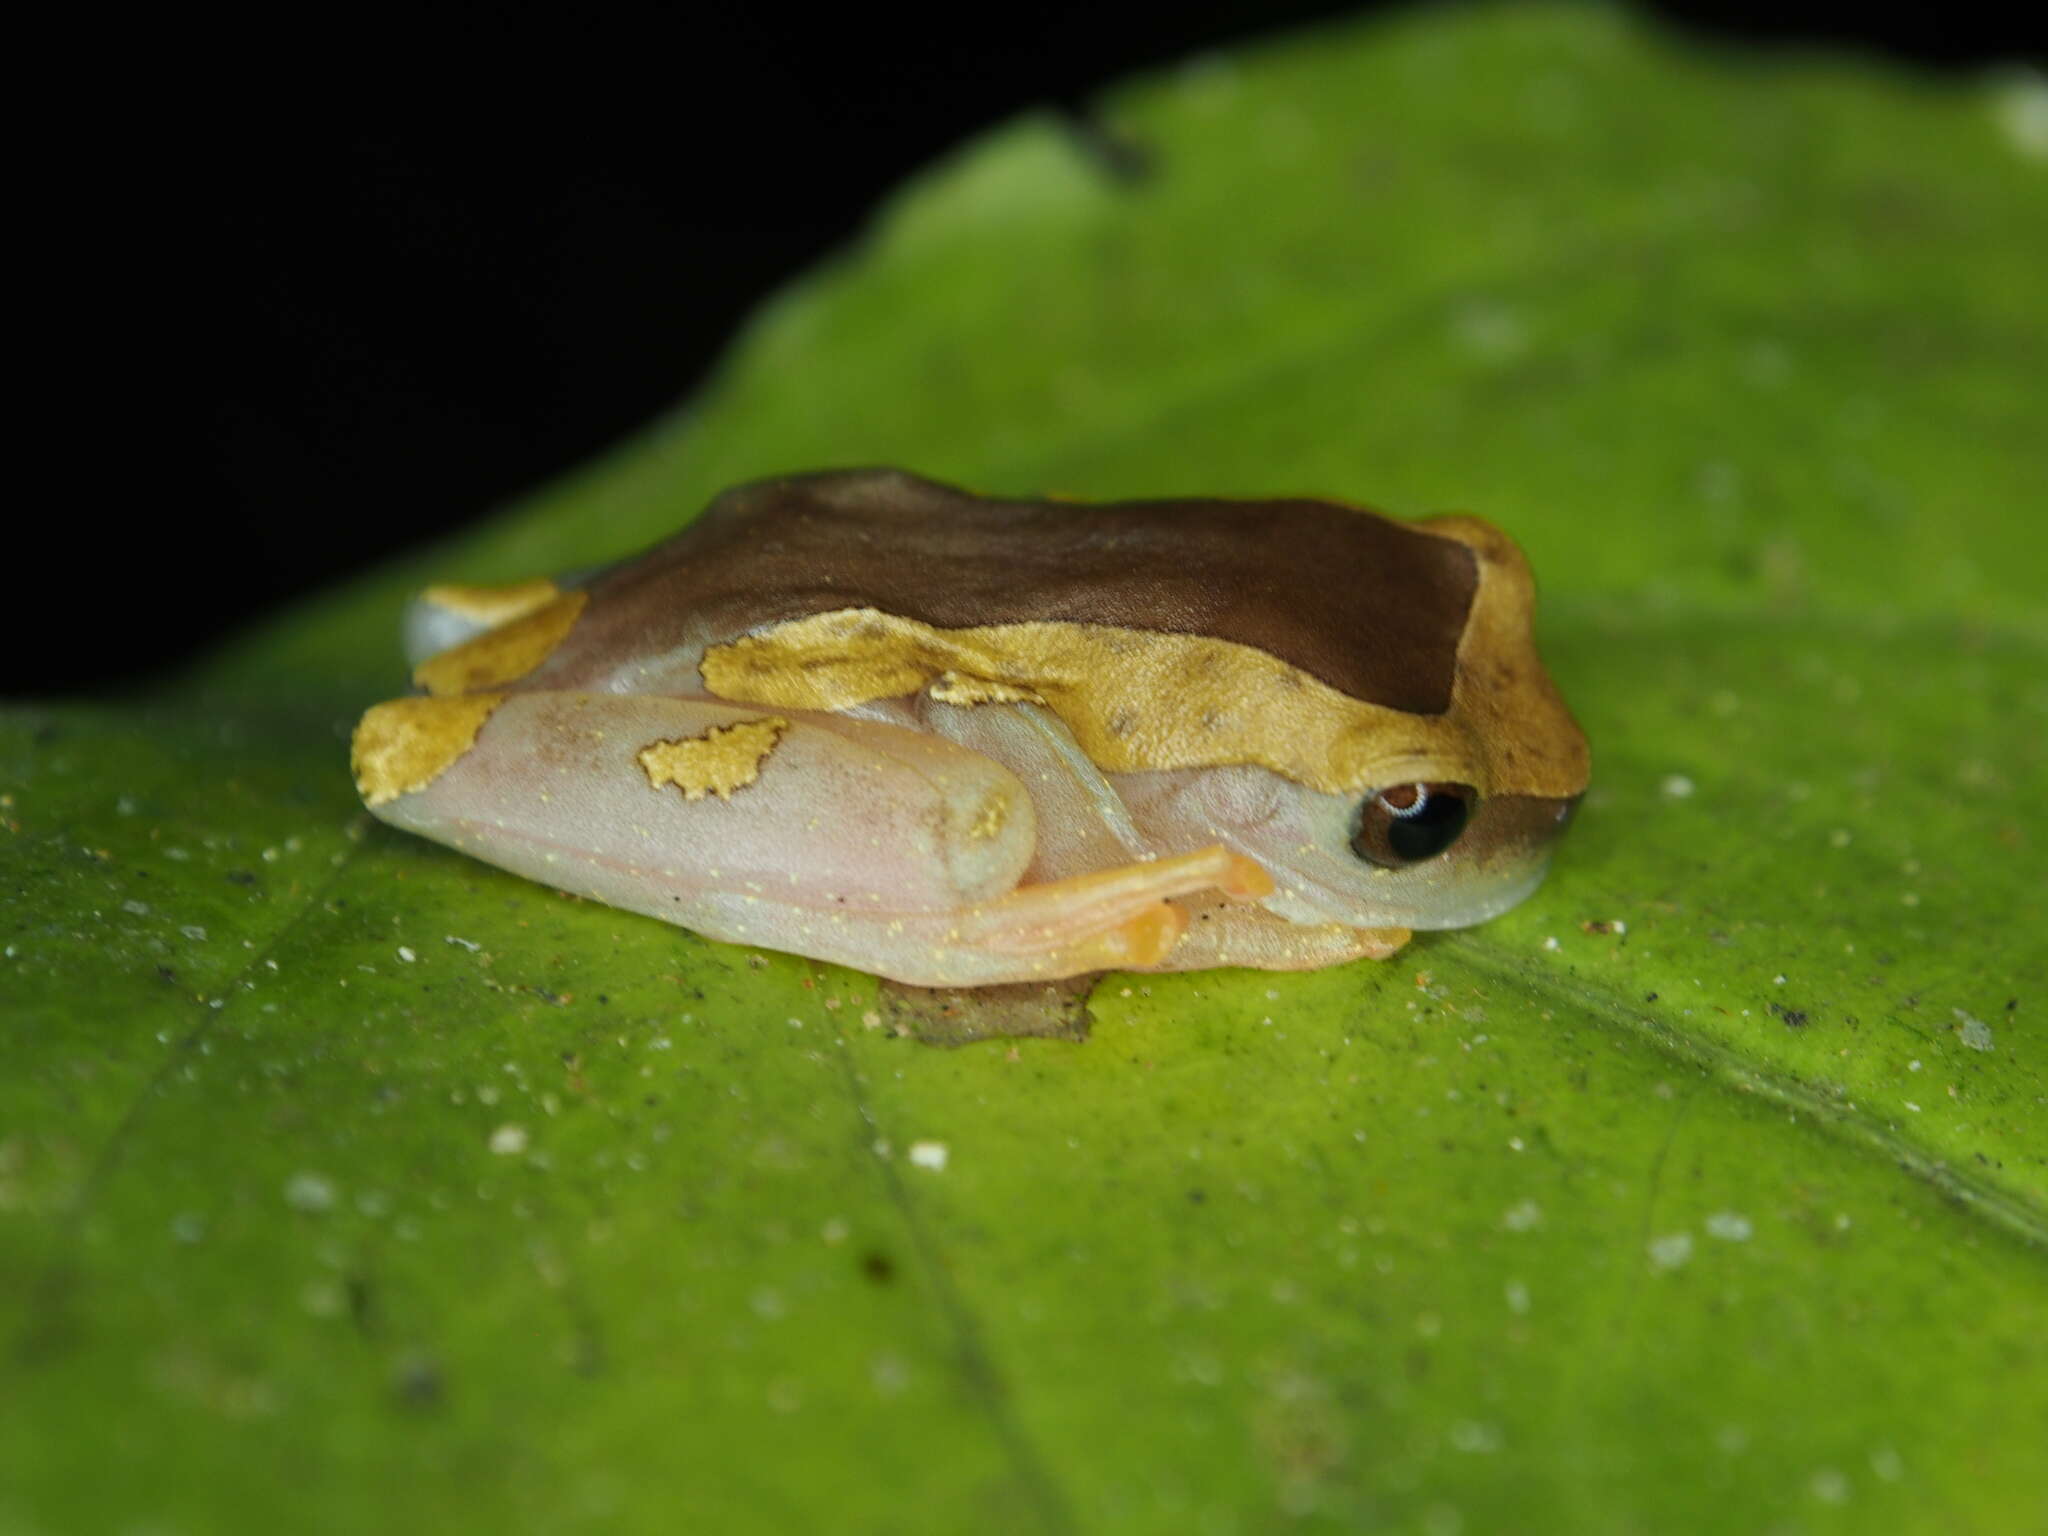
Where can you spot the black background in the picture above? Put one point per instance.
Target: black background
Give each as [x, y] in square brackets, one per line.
[335, 293]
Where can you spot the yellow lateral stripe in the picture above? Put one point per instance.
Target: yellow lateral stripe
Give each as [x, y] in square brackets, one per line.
[1134, 699]
[1139, 700]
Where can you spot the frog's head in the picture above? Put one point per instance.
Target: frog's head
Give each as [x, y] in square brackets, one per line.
[1374, 813]
[1423, 853]
[1456, 814]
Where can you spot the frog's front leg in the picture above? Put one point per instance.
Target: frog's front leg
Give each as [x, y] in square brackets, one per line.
[1239, 933]
[848, 840]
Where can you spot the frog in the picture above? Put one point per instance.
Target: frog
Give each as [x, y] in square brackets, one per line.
[955, 740]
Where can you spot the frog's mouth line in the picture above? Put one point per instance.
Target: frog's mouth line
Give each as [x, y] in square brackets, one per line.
[1462, 898]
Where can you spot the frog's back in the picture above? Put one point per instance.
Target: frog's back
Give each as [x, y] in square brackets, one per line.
[1371, 606]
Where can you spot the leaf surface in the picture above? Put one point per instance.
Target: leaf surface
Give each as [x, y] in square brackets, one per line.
[347, 1183]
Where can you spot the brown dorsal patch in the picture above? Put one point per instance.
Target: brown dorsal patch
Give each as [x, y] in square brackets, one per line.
[1371, 607]
[1334, 646]
[725, 758]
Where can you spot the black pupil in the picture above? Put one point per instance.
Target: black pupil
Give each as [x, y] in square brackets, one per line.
[1428, 831]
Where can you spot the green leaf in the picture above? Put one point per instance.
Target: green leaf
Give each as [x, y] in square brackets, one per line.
[346, 1184]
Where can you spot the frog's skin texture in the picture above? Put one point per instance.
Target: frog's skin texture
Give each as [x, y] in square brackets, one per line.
[868, 718]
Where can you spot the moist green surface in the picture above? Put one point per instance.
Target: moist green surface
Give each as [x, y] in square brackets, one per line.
[348, 1184]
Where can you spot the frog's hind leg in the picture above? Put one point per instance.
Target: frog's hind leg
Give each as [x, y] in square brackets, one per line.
[869, 844]
[1082, 822]
[1224, 932]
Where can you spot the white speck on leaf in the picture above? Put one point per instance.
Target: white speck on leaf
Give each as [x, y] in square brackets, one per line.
[309, 1192]
[2021, 105]
[1975, 1032]
[1677, 786]
[1475, 1438]
[889, 1375]
[509, 1139]
[1729, 1226]
[930, 1154]
[1523, 1216]
[1829, 1486]
[321, 1298]
[1671, 1250]
[1490, 331]
[406, 954]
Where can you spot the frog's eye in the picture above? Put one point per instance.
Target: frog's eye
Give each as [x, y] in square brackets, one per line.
[1408, 823]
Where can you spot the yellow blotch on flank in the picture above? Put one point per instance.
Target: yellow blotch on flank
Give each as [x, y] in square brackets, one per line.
[1135, 700]
[406, 744]
[1141, 700]
[502, 655]
[493, 605]
[966, 689]
[723, 759]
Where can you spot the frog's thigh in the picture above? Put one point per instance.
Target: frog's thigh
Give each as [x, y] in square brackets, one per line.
[661, 805]
[1223, 932]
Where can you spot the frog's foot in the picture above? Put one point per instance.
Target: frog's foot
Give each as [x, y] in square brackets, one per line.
[1239, 933]
[1111, 918]
[1123, 918]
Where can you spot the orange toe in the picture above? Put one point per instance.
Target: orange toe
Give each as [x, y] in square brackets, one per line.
[1138, 941]
[1245, 878]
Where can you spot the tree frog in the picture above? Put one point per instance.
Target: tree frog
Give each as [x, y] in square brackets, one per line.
[958, 741]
